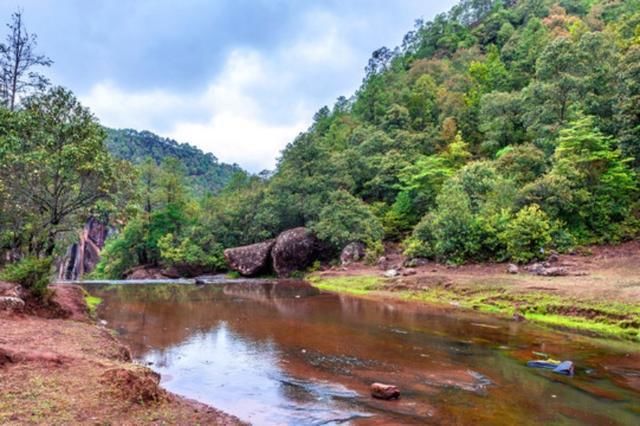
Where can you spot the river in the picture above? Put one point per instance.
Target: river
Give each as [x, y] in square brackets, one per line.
[275, 353]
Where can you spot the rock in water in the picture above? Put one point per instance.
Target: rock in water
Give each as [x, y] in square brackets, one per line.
[294, 250]
[250, 260]
[352, 252]
[382, 391]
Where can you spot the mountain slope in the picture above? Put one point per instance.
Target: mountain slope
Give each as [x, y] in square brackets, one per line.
[204, 172]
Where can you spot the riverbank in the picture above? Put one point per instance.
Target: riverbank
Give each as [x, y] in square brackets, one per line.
[600, 293]
[72, 371]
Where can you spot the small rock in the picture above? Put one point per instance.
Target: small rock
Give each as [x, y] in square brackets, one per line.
[382, 391]
[416, 262]
[352, 252]
[391, 273]
[11, 304]
[555, 271]
[553, 257]
[408, 272]
[513, 268]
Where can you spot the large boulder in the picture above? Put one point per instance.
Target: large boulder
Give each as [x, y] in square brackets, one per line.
[294, 250]
[250, 260]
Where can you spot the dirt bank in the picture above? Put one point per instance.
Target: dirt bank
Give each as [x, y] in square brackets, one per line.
[70, 371]
[600, 292]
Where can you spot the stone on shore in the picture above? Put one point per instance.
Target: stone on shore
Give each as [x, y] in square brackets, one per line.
[293, 250]
[352, 252]
[250, 260]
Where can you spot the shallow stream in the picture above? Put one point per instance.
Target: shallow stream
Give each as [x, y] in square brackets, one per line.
[282, 353]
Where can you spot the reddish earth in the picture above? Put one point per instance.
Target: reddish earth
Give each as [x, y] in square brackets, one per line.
[57, 367]
[595, 273]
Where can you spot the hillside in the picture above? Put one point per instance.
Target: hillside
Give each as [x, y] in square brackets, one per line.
[499, 130]
[203, 171]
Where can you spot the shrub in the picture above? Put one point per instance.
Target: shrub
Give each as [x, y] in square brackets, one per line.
[528, 235]
[187, 253]
[32, 273]
[455, 229]
[420, 243]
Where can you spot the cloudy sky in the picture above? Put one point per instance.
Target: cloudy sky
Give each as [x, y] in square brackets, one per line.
[238, 78]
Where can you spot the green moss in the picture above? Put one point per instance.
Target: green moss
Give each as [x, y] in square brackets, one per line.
[359, 285]
[606, 318]
[92, 303]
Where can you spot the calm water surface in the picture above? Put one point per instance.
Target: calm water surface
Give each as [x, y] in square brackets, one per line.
[283, 354]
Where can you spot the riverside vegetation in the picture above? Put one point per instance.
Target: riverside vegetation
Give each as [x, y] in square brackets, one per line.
[498, 131]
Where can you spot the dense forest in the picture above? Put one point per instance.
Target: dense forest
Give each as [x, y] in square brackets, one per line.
[203, 171]
[498, 131]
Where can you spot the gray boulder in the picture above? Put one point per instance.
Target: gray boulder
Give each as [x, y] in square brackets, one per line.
[293, 250]
[250, 260]
[352, 252]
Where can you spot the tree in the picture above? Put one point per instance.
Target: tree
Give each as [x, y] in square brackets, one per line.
[346, 219]
[17, 60]
[628, 107]
[529, 235]
[54, 165]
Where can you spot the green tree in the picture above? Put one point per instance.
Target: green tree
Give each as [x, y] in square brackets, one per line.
[528, 235]
[346, 219]
[55, 166]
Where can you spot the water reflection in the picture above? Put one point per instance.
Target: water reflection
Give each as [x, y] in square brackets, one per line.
[280, 353]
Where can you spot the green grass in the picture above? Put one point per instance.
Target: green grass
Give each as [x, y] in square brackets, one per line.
[92, 303]
[606, 318]
[358, 285]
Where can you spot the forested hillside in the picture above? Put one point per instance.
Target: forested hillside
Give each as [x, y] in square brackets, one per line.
[495, 131]
[203, 171]
[500, 130]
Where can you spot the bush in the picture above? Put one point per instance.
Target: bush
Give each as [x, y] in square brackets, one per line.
[528, 235]
[187, 253]
[420, 243]
[32, 273]
[455, 231]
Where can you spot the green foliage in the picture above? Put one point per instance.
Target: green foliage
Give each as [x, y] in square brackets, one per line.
[188, 253]
[528, 235]
[203, 171]
[454, 228]
[346, 219]
[54, 169]
[32, 273]
[451, 140]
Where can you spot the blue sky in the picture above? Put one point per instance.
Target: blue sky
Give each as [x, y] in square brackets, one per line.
[238, 78]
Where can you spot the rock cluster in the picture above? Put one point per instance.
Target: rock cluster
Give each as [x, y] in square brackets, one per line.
[292, 250]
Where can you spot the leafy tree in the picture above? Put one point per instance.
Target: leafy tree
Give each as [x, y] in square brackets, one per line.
[528, 236]
[454, 226]
[55, 166]
[346, 219]
[628, 105]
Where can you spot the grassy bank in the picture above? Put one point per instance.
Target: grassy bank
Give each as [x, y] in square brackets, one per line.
[603, 317]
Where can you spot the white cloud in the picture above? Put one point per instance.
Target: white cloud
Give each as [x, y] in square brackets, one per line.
[257, 103]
